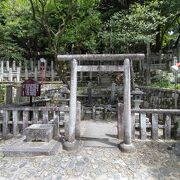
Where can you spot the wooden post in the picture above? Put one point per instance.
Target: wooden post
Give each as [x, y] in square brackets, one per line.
[25, 120]
[35, 117]
[7, 65]
[10, 77]
[35, 74]
[120, 122]
[143, 126]
[167, 127]
[56, 123]
[133, 125]
[5, 124]
[14, 66]
[45, 117]
[18, 74]
[78, 120]
[52, 70]
[154, 129]
[15, 123]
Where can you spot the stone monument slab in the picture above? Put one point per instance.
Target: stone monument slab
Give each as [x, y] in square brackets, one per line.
[39, 132]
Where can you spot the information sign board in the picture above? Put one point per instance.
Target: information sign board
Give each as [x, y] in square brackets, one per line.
[31, 88]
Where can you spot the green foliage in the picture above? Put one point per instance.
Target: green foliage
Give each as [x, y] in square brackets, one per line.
[81, 35]
[140, 24]
[34, 28]
[128, 28]
[11, 29]
[9, 49]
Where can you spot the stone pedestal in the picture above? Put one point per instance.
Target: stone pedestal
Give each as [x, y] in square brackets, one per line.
[39, 132]
[128, 148]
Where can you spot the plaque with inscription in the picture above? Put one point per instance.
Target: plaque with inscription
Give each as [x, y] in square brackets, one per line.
[31, 88]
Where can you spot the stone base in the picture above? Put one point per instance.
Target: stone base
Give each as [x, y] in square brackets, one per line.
[32, 148]
[70, 146]
[129, 148]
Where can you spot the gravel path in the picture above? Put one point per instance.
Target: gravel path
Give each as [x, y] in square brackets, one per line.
[152, 160]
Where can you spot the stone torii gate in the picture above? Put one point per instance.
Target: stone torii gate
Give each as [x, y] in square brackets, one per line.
[71, 142]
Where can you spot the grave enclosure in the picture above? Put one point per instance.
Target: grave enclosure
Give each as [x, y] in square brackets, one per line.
[16, 119]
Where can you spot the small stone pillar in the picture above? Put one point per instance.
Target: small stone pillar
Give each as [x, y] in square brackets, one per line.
[120, 124]
[8, 96]
[18, 94]
[127, 146]
[113, 91]
[89, 93]
[70, 142]
[78, 119]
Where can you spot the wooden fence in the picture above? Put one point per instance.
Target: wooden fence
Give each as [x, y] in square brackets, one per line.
[158, 119]
[10, 72]
[14, 120]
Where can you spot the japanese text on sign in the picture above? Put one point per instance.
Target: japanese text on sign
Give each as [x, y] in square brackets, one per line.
[31, 88]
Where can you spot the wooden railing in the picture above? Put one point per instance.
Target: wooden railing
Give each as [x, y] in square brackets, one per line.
[14, 120]
[166, 122]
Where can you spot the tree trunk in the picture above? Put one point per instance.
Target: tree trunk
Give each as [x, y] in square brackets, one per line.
[158, 39]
